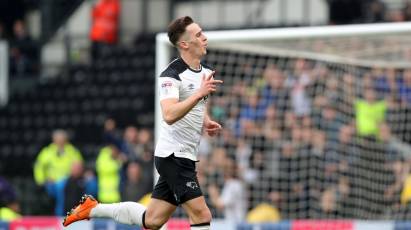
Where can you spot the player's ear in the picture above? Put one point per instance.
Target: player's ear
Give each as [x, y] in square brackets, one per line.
[183, 44]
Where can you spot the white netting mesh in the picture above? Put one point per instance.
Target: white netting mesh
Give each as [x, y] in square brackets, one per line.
[319, 128]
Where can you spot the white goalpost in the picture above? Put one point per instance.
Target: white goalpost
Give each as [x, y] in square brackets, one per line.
[4, 73]
[317, 119]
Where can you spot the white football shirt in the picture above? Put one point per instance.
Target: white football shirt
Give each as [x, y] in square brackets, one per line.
[183, 137]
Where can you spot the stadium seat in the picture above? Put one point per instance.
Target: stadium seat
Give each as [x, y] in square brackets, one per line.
[117, 85]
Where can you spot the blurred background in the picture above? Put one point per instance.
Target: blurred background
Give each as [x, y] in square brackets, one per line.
[77, 87]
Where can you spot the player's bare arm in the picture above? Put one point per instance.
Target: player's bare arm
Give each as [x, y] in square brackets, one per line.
[173, 110]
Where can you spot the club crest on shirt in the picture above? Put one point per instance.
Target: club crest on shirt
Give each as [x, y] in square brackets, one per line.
[192, 184]
[167, 84]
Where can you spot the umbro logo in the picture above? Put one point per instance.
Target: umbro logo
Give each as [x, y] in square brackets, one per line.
[192, 185]
[191, 86]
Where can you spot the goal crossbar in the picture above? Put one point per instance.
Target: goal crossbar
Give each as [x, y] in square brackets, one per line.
[163, 46]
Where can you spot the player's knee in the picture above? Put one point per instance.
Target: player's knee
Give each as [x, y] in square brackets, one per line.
[152, 221]
[206, 216]
[202, 215]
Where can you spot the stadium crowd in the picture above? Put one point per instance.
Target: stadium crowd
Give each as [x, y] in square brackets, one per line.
[315, 143]
[300, 142]
[122, 171]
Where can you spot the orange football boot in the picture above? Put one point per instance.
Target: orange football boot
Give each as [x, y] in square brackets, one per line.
[81, 211]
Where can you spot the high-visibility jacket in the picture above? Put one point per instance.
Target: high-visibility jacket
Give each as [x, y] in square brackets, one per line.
[263, 213]
[108, 175]
[406, 191]
[7, 214]
[369, 117]
[105, 21]
[50, 165]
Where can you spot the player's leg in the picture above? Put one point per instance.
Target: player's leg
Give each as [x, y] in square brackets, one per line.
[132, 213]
[157, 214]
[184, 184]
[124, 212]
[198, 213]
[161, 206]
[159, 210]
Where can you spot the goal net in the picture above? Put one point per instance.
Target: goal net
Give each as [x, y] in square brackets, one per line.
[316, 120]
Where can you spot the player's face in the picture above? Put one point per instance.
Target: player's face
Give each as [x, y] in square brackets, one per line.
[197, 41]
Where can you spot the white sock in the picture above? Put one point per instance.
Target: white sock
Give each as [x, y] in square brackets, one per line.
[205, 226]
[125, 212]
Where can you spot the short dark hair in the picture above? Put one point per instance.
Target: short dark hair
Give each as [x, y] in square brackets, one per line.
[177, 28]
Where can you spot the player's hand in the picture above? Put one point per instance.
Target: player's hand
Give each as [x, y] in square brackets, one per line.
[213, 191]
[212, 128]
[208, 85]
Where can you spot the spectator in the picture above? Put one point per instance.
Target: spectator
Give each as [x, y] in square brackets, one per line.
[23, 52]
[296, 135]
[111, 134]
[324, 91]
[137, 146]
[104, 29]
[135, 187]
[407, 11]
[216, 166]
[289, 124]
[392, 98]
[396, 15]
[288, 188]
[404, 169]
[333, 198]
[389, 144]
[404, 88]
[401, 170]
[394, 170]
[306, 136]
[263, 213]
[298, 81]
[243, 153]
[349, 87]
[271, 125]
[232, 123]
[376, 12]
[10, 11]
[145, 148]
[330, 122]
[108, 167]
[9, 206]
[218, 109]
[256, 178]
[67, 191]
[273, 92]
[346, 146]
[384, 83]
[250, 114]
[397, 175]
[213, 172]
[145, 144]
[370, 113]
[232, 198]
[54, 162]
[130, 143]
